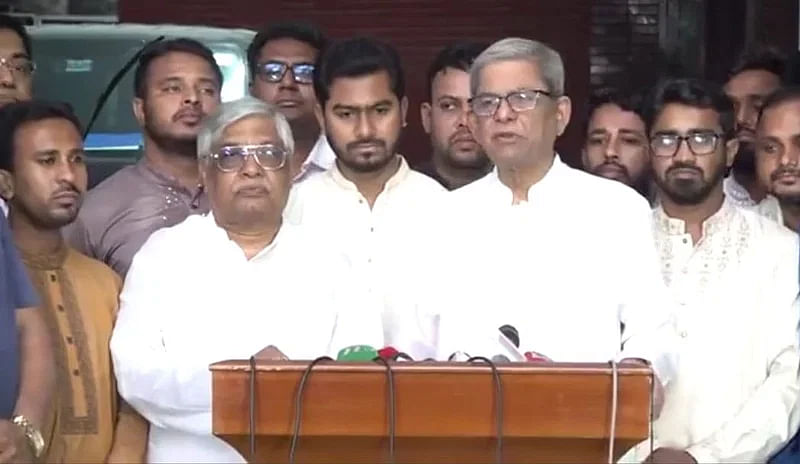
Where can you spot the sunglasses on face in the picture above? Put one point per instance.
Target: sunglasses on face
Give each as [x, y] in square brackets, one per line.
[273, 71]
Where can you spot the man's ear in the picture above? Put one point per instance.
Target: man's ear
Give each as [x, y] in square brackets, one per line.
[138, 110]
[731, 149]
[319, 113]
[404, 110]
[425, 115]
[563, 113]
[6, 185]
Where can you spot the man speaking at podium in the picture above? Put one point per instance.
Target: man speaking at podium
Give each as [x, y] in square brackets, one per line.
[565, 257]
[224, 285]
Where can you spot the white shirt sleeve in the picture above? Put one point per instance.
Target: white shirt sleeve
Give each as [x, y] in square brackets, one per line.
[646, 312]
[763, 423]
[168, 387]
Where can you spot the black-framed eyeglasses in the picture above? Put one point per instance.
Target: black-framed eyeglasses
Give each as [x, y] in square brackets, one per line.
[231, 158]
[273, 71]
[18, 66]
[666, 145]
[486, 104]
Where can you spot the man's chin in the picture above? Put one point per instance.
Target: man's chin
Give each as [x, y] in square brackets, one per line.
[468, 159]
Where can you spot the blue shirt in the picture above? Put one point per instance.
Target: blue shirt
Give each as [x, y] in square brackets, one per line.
[16, 292]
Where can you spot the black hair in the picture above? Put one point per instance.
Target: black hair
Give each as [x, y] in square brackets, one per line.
[298, 30]
[761, 58]
[628, 101]
[353, 58]
[696, 93]
[13, 24]
[165, 47]
[459, 55]
[780, 96]
[14, 115]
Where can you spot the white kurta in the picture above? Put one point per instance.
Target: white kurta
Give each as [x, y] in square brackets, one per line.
[377, 243]
[736, 291]
[191, 298]
[566, 268]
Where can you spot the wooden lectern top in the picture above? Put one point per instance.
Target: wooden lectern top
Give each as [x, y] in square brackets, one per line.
[445, 412]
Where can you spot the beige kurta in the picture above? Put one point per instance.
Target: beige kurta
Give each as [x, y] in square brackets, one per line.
[80, 298]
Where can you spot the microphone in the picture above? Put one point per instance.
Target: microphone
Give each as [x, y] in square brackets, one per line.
[390, 353]
[500, 359]
[510, 333]
[357, 353]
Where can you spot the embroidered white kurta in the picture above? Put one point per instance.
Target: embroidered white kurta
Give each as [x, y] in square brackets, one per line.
[376, 242]
[736, 291]
[191, 298]
[566, 268]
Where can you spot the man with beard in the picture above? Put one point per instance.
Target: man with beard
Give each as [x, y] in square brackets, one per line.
[457, 158]
[177, 82]
[734, 277]
[44, 176]
[758, 74]
[778, 153]
[281, 60]
[369, 203]
[616, 143]
[16, 67]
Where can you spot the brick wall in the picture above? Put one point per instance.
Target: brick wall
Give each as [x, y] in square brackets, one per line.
[419, 28]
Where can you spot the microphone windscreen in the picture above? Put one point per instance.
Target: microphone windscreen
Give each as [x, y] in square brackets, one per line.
[357, 353]
[500, 359]
[511, 333]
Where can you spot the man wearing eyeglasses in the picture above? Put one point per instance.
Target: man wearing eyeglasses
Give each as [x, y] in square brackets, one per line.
[237, 282]
[563, 256]
[281, 60]
[16, 67]
[733, 275]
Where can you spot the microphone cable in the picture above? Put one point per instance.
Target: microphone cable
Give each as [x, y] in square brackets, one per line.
[614, 394]
[391, 400]
[498, 398]
[298, 405]
[252, 409]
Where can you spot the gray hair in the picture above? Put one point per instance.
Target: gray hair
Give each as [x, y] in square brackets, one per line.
[230, 112]
[548, 60]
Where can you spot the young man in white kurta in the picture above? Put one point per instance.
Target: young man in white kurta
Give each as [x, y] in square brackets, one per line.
[733, 274]
[225, 285]
[370, 204]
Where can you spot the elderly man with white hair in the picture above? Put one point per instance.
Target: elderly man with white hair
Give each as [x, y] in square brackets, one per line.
[224, 285]
[565, 257]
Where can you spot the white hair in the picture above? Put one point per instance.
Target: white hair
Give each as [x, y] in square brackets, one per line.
[548, 60]
[230, 112]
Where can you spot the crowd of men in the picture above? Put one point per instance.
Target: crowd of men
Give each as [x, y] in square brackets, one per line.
[289, 218]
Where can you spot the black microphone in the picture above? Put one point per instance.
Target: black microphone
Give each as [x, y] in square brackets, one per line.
[510, 333]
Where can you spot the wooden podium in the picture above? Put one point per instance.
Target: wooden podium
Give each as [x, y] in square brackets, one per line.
[445, 412]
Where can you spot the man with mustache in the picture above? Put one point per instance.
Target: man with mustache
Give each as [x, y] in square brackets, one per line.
[758, 73]
[616, 143]
[370, 203]
[457, 158]
[778, 153]
[44, 176]
[733, 275]
[281, 59]
[177, 82]
[16, 67]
